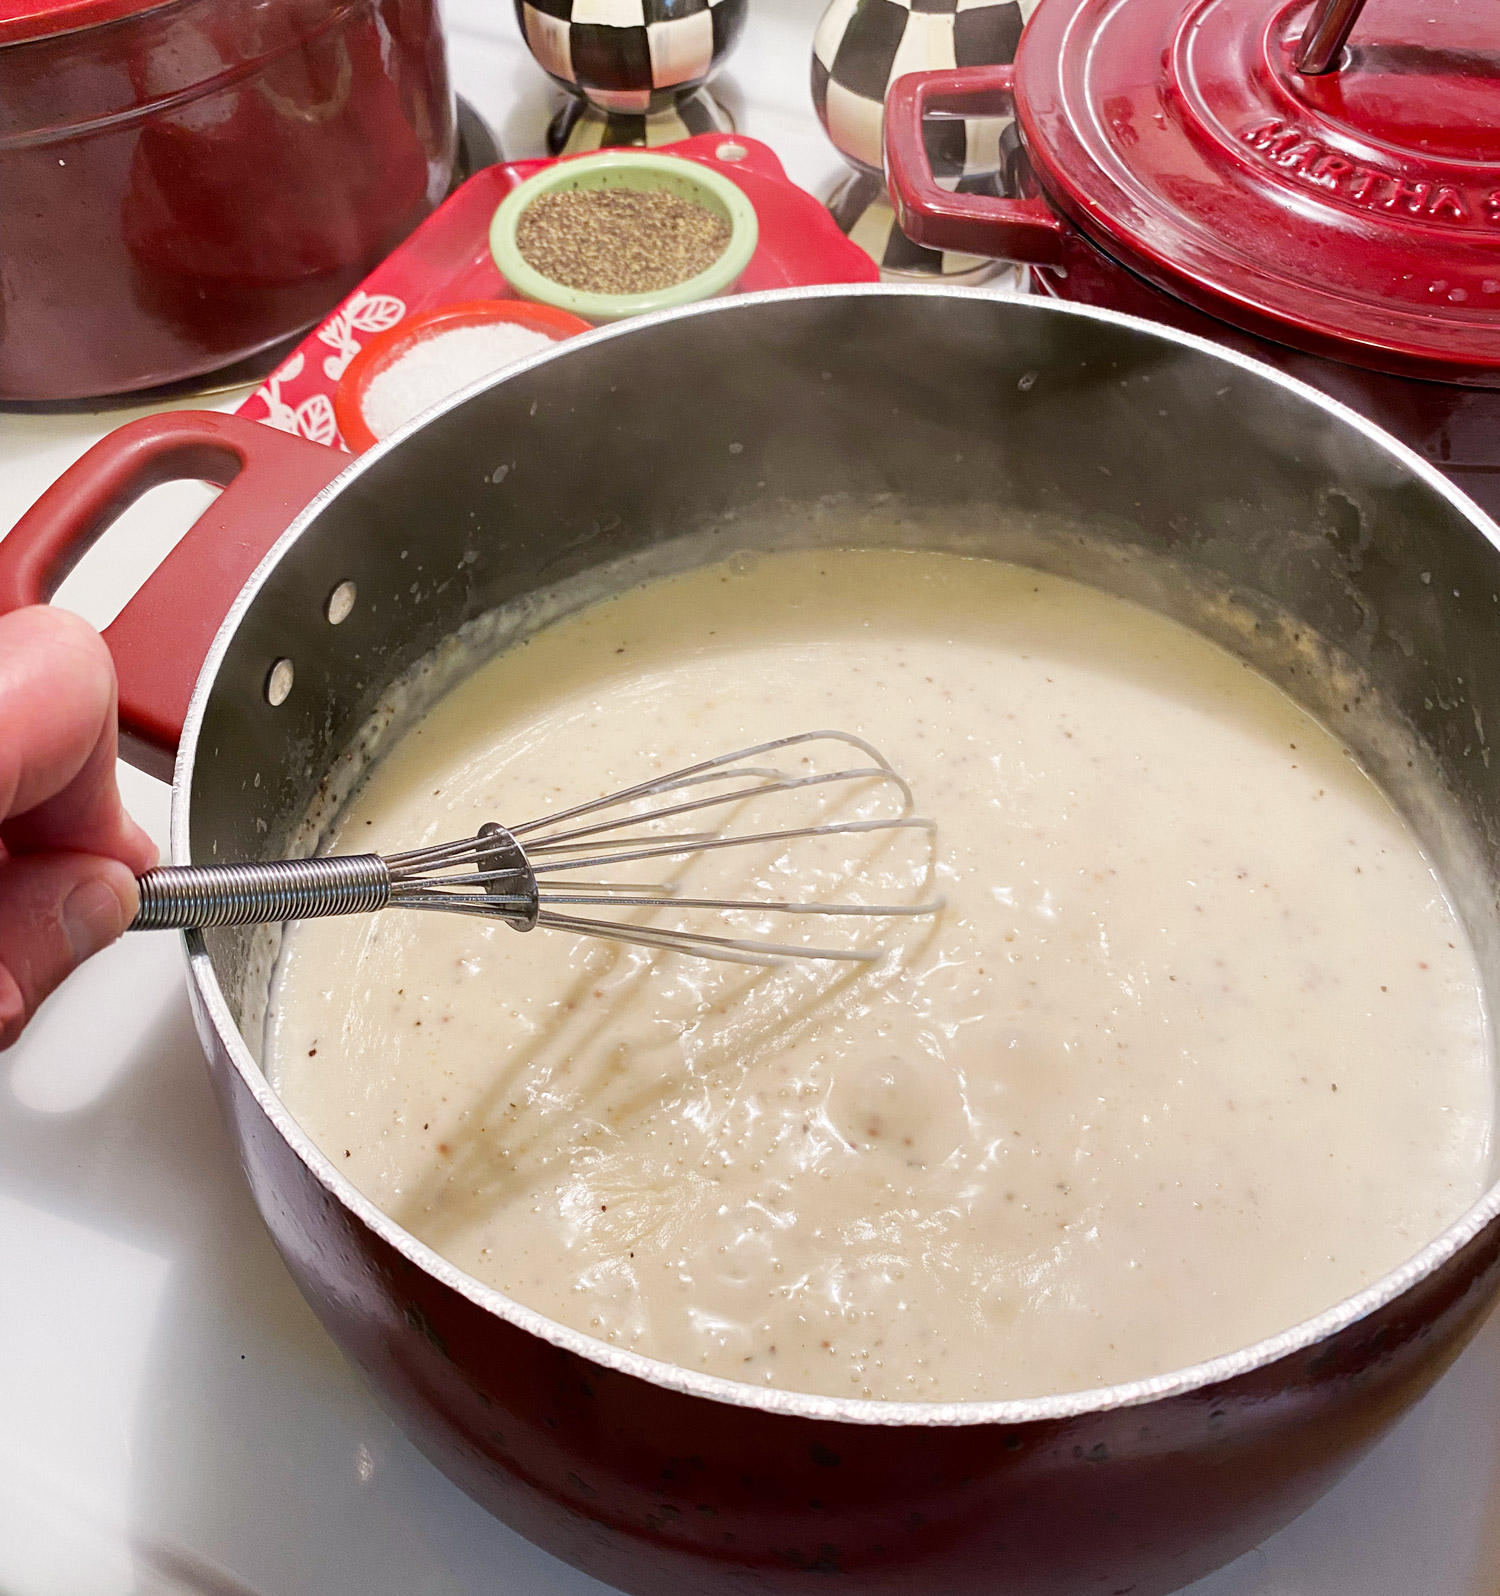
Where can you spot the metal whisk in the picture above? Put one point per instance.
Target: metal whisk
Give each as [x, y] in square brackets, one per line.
[524, 875]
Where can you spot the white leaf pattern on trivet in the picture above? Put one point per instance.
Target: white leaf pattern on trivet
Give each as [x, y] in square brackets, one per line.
[315, 420]
[361, 312]
[279, 413]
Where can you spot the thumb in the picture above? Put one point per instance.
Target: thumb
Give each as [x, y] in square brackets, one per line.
[55, 910]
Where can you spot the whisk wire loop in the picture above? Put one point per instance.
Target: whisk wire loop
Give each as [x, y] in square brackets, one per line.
[514, 874]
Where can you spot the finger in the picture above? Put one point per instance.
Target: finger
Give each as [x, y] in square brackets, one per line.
[58, 741]
[55, 910]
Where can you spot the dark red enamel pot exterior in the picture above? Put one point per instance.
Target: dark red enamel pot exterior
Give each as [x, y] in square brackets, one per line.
[1073, 440]
[185, 182]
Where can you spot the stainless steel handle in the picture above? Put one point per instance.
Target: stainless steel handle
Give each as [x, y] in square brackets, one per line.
[1326, 33]
[184, 897]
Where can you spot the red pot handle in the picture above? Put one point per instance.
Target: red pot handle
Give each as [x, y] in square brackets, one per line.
[974, 224]
[161, 638]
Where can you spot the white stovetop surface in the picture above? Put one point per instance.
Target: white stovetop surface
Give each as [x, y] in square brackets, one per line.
[172, 1419]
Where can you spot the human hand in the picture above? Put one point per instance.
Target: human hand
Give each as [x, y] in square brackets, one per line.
[69, 853]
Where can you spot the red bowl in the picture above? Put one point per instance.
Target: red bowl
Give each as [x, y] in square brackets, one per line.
[386, 348]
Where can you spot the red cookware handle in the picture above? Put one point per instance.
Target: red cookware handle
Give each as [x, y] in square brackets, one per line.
[161, 638]
[975, 224]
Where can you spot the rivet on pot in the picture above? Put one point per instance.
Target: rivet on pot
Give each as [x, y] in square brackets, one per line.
[279, 682]
[340, 603]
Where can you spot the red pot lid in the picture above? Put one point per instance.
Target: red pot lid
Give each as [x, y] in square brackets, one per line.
[22, 21]
[1355, 214]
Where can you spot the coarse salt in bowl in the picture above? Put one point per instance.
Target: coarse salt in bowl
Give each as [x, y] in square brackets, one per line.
[422, 360]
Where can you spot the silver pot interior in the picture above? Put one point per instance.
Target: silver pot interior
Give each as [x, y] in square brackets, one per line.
[1148, 464]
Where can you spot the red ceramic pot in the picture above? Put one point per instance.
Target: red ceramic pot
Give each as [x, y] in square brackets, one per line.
[1191, 166]
[1151, 463]
[184, 183]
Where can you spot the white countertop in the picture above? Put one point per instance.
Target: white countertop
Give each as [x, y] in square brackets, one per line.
[172, 1419]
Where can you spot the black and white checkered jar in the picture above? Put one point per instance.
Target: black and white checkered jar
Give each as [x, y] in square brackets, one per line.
[634, 69]
[861, 47]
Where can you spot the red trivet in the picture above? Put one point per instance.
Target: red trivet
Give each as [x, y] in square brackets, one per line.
[448, 259]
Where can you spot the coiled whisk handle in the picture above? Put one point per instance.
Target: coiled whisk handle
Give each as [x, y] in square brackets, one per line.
[187, 897]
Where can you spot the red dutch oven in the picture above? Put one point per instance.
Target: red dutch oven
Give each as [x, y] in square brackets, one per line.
[1311, 185]
[1154, 464]
[184, 182]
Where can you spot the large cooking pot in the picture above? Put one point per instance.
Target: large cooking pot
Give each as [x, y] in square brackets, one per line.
[185, 182]
[1314, 182]
[1152, 463]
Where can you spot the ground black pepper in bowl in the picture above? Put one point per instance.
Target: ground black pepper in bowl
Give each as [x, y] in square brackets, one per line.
[619, 240]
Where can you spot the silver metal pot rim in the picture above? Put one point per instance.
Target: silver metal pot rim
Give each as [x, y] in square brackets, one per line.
[848, 1410]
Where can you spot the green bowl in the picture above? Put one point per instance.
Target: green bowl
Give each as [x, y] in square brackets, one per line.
[627, 169]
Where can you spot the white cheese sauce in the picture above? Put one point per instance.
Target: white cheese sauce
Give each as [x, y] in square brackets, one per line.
[1195, 1049]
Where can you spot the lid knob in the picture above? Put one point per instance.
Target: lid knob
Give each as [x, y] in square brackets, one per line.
[1325, 35]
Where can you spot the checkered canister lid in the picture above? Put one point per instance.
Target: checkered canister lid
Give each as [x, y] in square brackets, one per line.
[631, 56]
